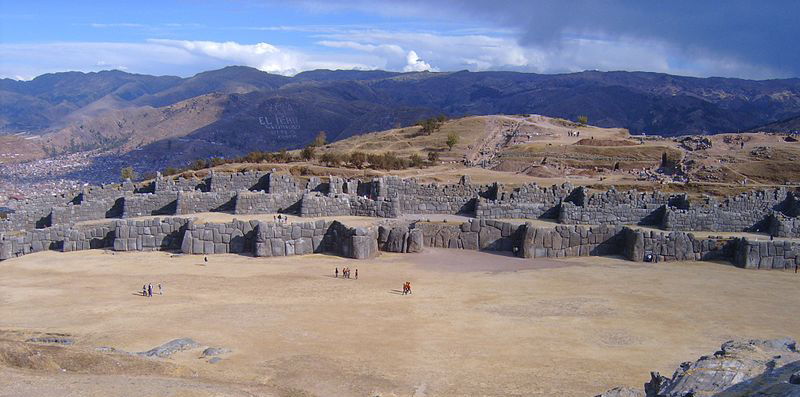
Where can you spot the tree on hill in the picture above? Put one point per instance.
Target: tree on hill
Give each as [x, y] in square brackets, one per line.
[127, 173]
[416, 160]
[308, 153]
[321, 139]
[331, 159]
[357, 159]
[430, 125]
[217, 161]
[583, 120]
[452, 140]
[199, 164]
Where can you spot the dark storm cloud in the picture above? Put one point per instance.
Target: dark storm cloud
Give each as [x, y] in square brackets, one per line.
[756, 32]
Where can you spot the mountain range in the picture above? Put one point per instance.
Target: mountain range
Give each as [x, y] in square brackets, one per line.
[237, 109]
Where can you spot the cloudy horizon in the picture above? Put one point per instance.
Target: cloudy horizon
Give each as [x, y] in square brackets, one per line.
[738, 40]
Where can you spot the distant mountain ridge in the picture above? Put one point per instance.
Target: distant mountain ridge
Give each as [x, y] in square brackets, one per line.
[238, 109]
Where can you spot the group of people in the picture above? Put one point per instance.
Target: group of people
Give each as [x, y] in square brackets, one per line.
[345, 273]
[574, 133]
[280, 218]
[147, 290]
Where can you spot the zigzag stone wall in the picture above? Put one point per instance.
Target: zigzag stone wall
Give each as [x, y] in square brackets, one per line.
[58, 238]
[149, 235]
[782, 226]
[218, 238]
[161, 203]
[194, 202]
[266, 203]
[49, 222]
[276, 239]
[784, 255]
[315, 205]
[611, 214]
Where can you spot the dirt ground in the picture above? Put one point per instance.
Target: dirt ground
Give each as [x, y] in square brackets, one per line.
[477, 324]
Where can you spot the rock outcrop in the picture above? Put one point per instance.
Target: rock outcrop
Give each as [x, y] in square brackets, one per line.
[740, 368]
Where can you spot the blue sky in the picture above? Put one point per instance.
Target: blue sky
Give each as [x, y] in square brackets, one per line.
[732, 38]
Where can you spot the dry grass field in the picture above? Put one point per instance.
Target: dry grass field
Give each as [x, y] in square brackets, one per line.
[477, 324]
[515, 150]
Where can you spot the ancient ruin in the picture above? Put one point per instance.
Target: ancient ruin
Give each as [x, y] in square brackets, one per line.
[583, 223]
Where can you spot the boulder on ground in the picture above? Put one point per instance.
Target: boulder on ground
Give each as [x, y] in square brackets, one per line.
[170, 348]
[215, 351]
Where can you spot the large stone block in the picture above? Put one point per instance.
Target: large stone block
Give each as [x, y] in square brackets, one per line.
[395, 240]
[197, 246]
[186, 244]
[6, 250]
[364, 247]
[415, 239]
[469, 241]
[488, 238]
[262, 249]
[278, 247]
[208, 247]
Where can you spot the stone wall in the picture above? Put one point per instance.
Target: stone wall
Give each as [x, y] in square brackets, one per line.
[27, 219]
[352, 242]
[564, 241]
[767, 254]
[279, 239]
[715, 219]
[196, 202]
[745, 212]
[86, 211]
[380, 208]
[267, 203]
[231, 182]
[511, 209]
[161, 203]
[89, 237]
[611, 214]
[181, 184]
[484, 234]
[675, 246]
[58, 238]
[547, 196]
[416, 198]
[783, 226]
[400, 238]
[281, 183]
[218, 238]
[149, 235]
[315, 204]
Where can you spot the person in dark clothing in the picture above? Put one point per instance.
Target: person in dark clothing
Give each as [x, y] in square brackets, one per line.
[356, 274]
[144, 290]
[336, 272]
[150, 290]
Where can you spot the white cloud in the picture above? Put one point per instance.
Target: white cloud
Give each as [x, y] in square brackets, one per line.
[117, 25]
[370, 49]
[415, 64]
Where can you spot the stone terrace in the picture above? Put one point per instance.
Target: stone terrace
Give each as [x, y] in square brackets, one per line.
[591, 223]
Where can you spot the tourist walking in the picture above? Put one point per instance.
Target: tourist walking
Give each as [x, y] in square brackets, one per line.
[336, 272]
[160, 291]
[356, 274]
[150, 290]
[144, 290]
